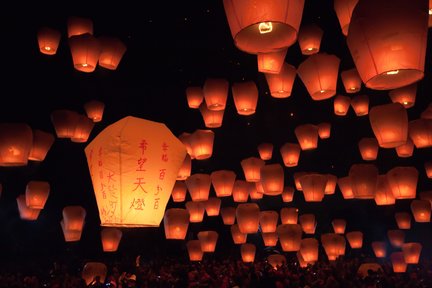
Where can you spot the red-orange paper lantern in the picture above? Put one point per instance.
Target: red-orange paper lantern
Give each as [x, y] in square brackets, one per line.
[94, 110]
[212, 207]
[85, 50]
[25, 212]
[334, 245]
[199, 186]
[78, 26]
[268, 221]
[176, 223]
[270, 239]
[297, 176]
[272, 179]
[309, 249]
[16, 141]
[398, 262]
[48, 40]
[185, 169]
[403, 220]
[208, 240]
[42, 142]
[404, 95]
[290, 154]
[351, 80]
[110, 239]
[37, 193]
[288, 194]
[228, 215]
[194, 250]
[421, 209]
[265, 151]
[360, 104]
[254, 194]
[420, 132]
[308, 223]
[83, 129]
[245, 97]
[307, 136]
[344, 10]
[339, 226]
[289, 237]
[252, 168]
[247, 216]
[355, 239]
[428, 169]
[364, 179]
[331, 184]
[202, 144]
[380, 249]
[383, 192]
[281, 84]
[271, 62]
[345, 187]
[405, 150]
[313, 186]
[223, 182]
[212, 118]
[73, 218]
[112, 51]
[396, 237]
[248, 252]
[194, 96]
[324, 130]
[178, 193]
[185, 139]
[403, 182]
[309, 39]
[368, 148]
[215, 93]
[238, 237]
[196, 211]
[289, 215]
[341, 105]
[240, 191]
[411, 252]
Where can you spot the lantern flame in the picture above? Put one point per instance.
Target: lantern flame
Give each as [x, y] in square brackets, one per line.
[265, 27]
[392, 72]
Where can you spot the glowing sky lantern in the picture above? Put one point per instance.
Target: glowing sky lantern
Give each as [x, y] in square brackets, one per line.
[411, 252]
[15, 144]
[341, 105]
[344, 10]
[308, 223]
[339, 226]
[403, 220]
[110, 239]
[202, 144]
[289, 215]
[288, 194]
[48, 40]
[133, 164]
[252, 168]
[351, 80]
[309, 249]
[355, 239]
[384, 194]
[223, 182]
[208, 240]
[289, 236]
[195, 96]
[290, 154]
[245, 96]
[379, 248]
[179, 191]
[248, 252]
[345, 187]
[368, 148]
[309, 39]
[396, 237]
[215, 93]
[37, 194]
[42, 142]
[360, 104]
[398, 262]
[364, 179]
[271, 62]
[112, 51]
[265, 151]
[238, 237]
[176, 223]
[404, 95]
[307, 136]
[94, 110]
[78, 26]
[276, 260]
[228, 215]
[420, 132]
[212, 118]
[281, 84]
[405, 150]
[194, 250]
[85, 50]
[324, 130]
[403, 182]
[25, 212]
[64, 122]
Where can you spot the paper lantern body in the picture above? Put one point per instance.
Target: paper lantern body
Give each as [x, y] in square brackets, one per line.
[351, 80]
[65, 122]
[42, 142]
[240, 191]
[238, 237]
[74, 218]
[176, 223]
[364, 179]
[345, 187]
[405, 150]
[93, 269]
[288, 194]
[290, 154]
[112, 51]
[404, 95]
[411, 252]
[309, 39]
[428, 168]
[272, 179]
[341, 105]
[398, 262]
[245, 97]
[212, 206]
[199, 186]
[403, 182]
[297, 176]
[195, 96]
[194, 250]
[420, 132]
[271, 62]
[270, 239]
[37, 194]
[196, 211]
[111, 239]
[355, 239]
[380, 249]
[82, 129]
[79, 26]
[334, 245]
[212, 118]
[185, 139]
[368, 148]
[228, 215]
[48, 40]
[324, 130]
[289, 237]
[85, 51]
[421, 209]
[202, 144]
[396, 237]
[289, 215]
[403, 220]
[339, 226]
[313, 186]
[308, 223]
[70, 235]
[215, 93]
[384, 194]
[208, 240]
[15, 144]
[247, 216]
[248, 252]
[387, 41]
[94, 110]
[25, 212]
[223, 182]
[281, 84]
[263, 26]
[307, 136]
[254, 194]
[309, 249]
[331, 184]
[134, 164]
[265, 151]
[252, 168]
[360, 104]
[185, 169]
[268, 221]
[344, 10]
[179, 190]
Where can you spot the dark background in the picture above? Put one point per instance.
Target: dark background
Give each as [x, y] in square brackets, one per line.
[171, 45]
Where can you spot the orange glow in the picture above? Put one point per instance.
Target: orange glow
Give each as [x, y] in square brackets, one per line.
[289, 215]
[94, 110]
[185, 170]
[37, 194]
[324, 130]
[272, 179]
[112, 51]
[411, 252]
[271, 62]
[202, 144]
[16, 143]
[360, 104]
[228, 215]
[398, 262]
[212, 206]
[384, 194]
[404, 95]
[355, 239]
[78, 26]
[248, 252]
[280, 85]
[421, 209]
[351, 80]
[196, 211]
[238, 237]
[268, 221]
[110, 239]
[289, 237]
[307, 136]
[215, 93]
[195, 96]
[240, 191]
[194, 250]
[265, 151]
[403, 220]
[309, 249]
[308, 223]
[290, 154]
[344, 10]
[313, 186]
[179, 190]
[420, 132]
[176, 223]
[247, 216]
[208, 240]
[288, 194]
[368, 148]
[364, 179]
[270, 239]
[252, 168]
[396, 237]
[85, 51]
[341, 105]
[25, 212]
[380, 249]
[223, 182]
[345, 187]
[403, 182]
[245, 97]
[199, 186]
[48, 40]
[339, 226]
[405, 150]
[212, 118]
[309, 39]
[42, 142]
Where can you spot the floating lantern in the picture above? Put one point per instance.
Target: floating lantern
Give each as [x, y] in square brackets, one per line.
[421, 209]
[196, 211]
[307, 136]
[82, 129]
[94, 110]
[176, 223]
[344, 10]
[271, 62]
[360, 104]
[208, 240]
[339, 226]
[272, 179]
[355, 239]
[185, 139]
[351, 80]
[341, 105]
[403, 182]
[404, 95]
[228, 215]
[247, 216]
[324, 130]
[85, 50]
[411, 252]
[223, 182]
[252, 168]
[253, 191]
[25, 212]
[345, 187]
[215, 93]
[289, 237]
[42, 142]
[383, 192]
[403, 220]
[212, 206]
[297, 176]
[364, 179]
[368, 148]
[16, 143]
[185, 169]
[428, 168]
[64, 122]
[110, 239]
[178, 193]
[308, 223]
[37, 194]
[248, 252]
[73, 218]
[331, 184]
[334, 245]
[245, 97]
[270, 239]
[420, 132]
[396, 237]
[70, 235]
[112, 51]
[309, 39]
[265, 151]
[268, 221]
[194, 250]
[202, 144]
[380, 249]
[281, 84]
[405, 150]
[313, 186]
[238, 237]
[290, 154]
[195, 97]
[398, 262]
[288, 194]
[289, 215]
[309, 249]
[199, 186]
[79, 26]
[240, 191]
[48, 40]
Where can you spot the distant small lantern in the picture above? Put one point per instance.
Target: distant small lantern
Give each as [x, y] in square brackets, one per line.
[344, 10]
[25, 212]
[360, 104]
[110, 239]
[263, 26]
[364, 179]
[351, 80]
[196, 211]
[368, 148]
[223, 182]
[390, 124]
[112, 51]
[400, 59]
[420, 132]
[85, 51]
[237, 235]
[194, 250]
[289, 215]
[202, 144]
[324, 130]
[313, 186]
[308, 223]
[319, 74]
[405, 150]
[185, 170]
[289, 237]
[404, 95]
[334, 245]
[42, 142]
[228, 215]
[403, 182]
[276, 260]
[339, 226]
[252, 168]
[37, 194]
[208, 240]
[212, 118]
[248, 252]
[70, 235]
[94, 110]
[176, 223]
[341, 105]
[212, 207]
[64, 122]
[247, 216]
[307, 136]
[82, 129]
[16, 141]
[178, 193]
[271, 62]
[380, 249]
[403, 220]
[396, 237]
[290, 154]
[48, 40]
[345, 187]
[268, 221]
[245, 96]
[281, 84]
[309, 249]
[194, 96]
[253, 191]
[215, 93]
[383, 192]
[265, 151]
[74, 217]
[78, 26]
[240, 191]
[428, 169]
[270, 239]
[272, 179]
[331, 184]
[288, 194]
[421, 209]
[355, 239]
[199, 186]
[398, 262]
[411, 252]
[309, 39]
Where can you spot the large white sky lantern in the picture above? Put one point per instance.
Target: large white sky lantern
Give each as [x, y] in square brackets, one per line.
[133, 164]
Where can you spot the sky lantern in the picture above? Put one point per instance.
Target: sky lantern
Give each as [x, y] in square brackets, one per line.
[268, 221]
[405, 150]
[313, 186]
[265, 151]
[364, 179]
[355, 239]
[428, 169]
[212, 206]
[390, 124]
[42, 142]
[297, 176]
[74, 217]
[48, 40]
[85, 50]
[215, 93]
[194, 96]
[91, 270]
[247, 216]
[272, 179]
[341, 105]
[196, 211]
[368, 148]
[179, 191]
[223, 182]
[309, 39]
[259, 188]
[271, 62]
[78, 26]
[270, 239]
[398, 262]
[319, 74]
[64, 122]
[345, 187]
[344, 10]
[110, 239]
[308, 223]
[240, 191]
[403, 182]
[288, 194]
[289, 215]
[25, 212]
[245, 96]
[309, 249]
[259, 27]
[351, 80]
[421, 210]
[252, 168]
[427, 113]
[185, 139]
[194, 250]
[411, 252]
[208, 240]
[16, 141]
[383, 192]
[82, 129]
[176, 223]
[212, 118]
[248, 252]
[70, 235]
[228, 215]
[302, 263]
[420, 132]
[331, 184]
[380, 249]
[281, 84]
[94, 110]
[202, 144]
[324, 130]
[199, 186]
[397, 61]
[290, 154]
[37, 194]
[134, 192]
[185, 169]
[238, 237]
[289, 237]
[334, 245]
[254, 194]
[307, 136]
[403, 220]
[276, 260]
[360, 104]
[339, 226]
[396, 237]
[112, 51]
[404, 95]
